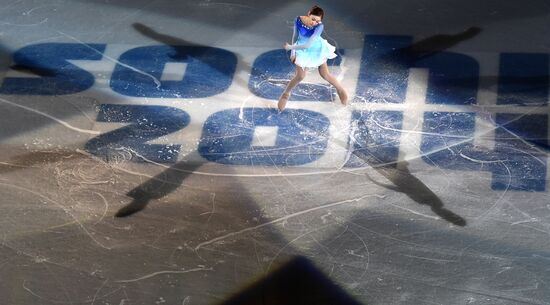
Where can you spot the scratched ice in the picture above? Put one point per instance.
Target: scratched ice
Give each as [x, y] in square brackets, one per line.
[143, 161]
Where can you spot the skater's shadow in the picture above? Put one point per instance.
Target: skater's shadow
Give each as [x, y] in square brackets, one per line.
[157, 187]
[435, 44]
[405, 182]
[409, 55]
[176, 41]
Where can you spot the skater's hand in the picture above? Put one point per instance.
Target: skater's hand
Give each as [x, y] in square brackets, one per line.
[287, 46]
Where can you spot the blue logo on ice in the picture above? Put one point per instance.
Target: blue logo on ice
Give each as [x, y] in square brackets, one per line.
[518, 160]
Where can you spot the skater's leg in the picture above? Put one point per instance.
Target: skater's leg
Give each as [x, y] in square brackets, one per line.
[300, 75]
[325, 74]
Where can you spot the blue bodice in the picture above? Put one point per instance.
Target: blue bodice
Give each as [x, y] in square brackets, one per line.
[303, 30]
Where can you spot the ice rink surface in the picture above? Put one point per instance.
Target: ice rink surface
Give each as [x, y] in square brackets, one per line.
[143, 161]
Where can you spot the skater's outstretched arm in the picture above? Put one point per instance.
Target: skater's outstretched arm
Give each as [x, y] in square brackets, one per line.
[316, 33]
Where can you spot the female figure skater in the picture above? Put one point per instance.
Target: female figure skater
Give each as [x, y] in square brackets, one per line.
[310, 51]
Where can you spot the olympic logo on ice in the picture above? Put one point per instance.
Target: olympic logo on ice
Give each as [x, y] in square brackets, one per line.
[451, 110]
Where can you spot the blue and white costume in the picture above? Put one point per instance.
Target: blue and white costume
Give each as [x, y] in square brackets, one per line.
[310, 49]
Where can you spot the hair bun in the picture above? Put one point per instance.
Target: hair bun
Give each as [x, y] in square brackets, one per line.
[317, 10]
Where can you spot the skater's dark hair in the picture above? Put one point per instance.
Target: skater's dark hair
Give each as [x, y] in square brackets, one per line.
[317, 11]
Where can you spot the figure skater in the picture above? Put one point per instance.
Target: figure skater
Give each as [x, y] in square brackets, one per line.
[310, 51]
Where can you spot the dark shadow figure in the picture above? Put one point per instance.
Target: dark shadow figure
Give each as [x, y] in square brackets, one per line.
[297, 282]
[157, 187]
[175, 41]
[163, 38]
[437, 43]
[405, 182]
